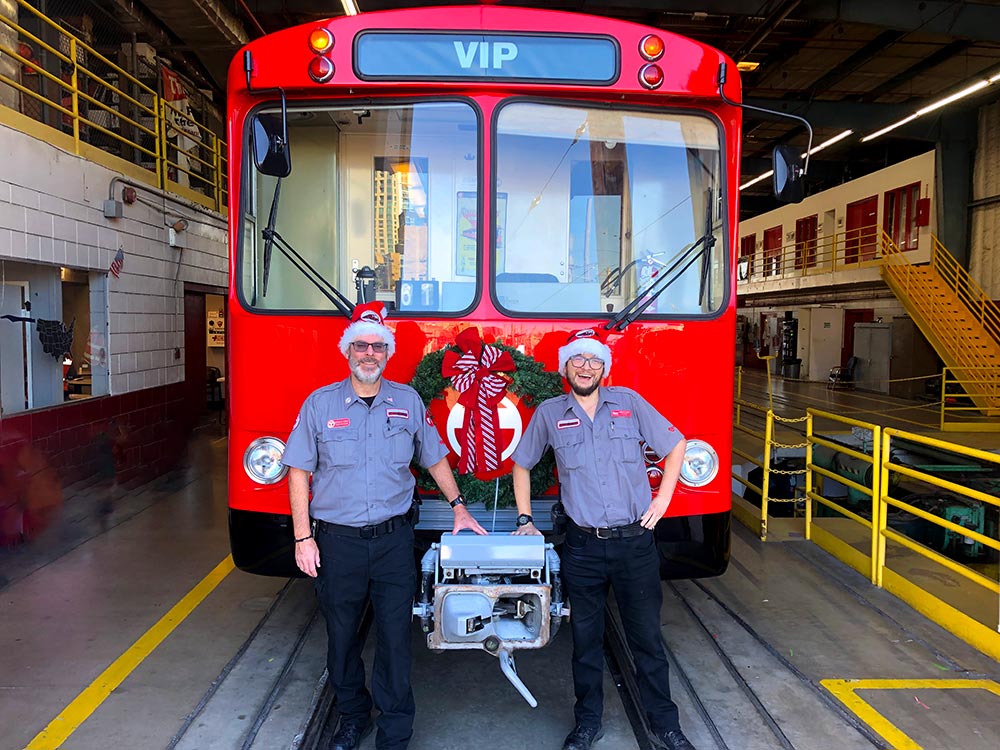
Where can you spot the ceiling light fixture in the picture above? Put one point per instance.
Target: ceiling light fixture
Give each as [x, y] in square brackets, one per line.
[747, 67]
[350, 7]
[828, 142]
[967, 91]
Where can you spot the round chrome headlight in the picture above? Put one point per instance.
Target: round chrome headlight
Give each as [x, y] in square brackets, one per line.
[701, 464]
[262, 460]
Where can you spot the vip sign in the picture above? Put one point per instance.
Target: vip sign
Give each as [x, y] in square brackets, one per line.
[449, 415]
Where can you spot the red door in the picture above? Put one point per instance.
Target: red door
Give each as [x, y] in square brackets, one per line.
[772, 251]
[748, 246]
[862, 218]
[805, 241]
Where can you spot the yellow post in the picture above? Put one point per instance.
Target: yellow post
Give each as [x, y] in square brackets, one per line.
[764, 488]
[877, 504]
[739, 394]
[74, 96]
[882, 507]
[161, 142]
[216, 168]
[809, 474]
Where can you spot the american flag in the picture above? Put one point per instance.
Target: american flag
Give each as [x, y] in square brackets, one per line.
[118, 262]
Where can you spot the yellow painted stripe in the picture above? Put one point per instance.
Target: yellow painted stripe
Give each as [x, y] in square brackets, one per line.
[77, 712]
[845, 692]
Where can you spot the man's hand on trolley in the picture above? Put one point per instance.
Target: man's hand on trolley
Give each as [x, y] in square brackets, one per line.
[527, 530]
[464, 520]
[307, 557]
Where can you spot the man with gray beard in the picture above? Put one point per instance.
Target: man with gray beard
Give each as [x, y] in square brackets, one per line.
[357, 438]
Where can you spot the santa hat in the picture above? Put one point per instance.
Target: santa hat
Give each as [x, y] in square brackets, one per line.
[366, 320]
[585, 341]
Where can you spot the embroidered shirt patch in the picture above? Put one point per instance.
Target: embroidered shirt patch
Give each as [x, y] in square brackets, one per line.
[563, 424]
[335, 424]
[397, 414]
[621, 412]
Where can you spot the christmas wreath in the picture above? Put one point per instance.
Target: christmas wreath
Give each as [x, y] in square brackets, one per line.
[530, 382]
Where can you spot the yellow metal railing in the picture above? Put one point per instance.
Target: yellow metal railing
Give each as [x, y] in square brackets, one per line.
[107, 111]
[961, 414]
[950, 614]
[966, 289]
[841, 251]
[956, 317]
[824, 532]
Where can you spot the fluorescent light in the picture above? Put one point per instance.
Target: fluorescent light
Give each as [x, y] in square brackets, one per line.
[954, 97]
[830, 141]
[755, 180]
[887, 128]
[350, 7]
[977, 86]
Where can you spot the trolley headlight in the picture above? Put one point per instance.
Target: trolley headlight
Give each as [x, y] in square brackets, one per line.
[701, 464]
[262, 460]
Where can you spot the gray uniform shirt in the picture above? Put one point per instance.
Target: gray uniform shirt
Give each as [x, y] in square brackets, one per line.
[602, 473]
[360, 456]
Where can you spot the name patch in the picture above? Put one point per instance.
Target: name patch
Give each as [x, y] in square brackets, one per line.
[563, 424]
[336, 424]
[621, 412]
[397, 413]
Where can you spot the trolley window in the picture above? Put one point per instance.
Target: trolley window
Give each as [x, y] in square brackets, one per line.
[385, 187]
[593, 205]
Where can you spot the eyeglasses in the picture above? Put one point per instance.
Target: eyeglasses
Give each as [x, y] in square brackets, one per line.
[361, 347]
[591, 363]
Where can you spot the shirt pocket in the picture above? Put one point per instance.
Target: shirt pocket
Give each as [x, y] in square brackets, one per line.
[569, 448]
[626, 441]
[341, 446]
[399, 442]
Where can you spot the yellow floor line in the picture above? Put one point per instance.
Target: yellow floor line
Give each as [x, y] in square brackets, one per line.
[846, 693]
[80, 709]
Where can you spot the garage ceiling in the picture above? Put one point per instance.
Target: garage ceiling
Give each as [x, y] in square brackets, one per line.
[843, 64]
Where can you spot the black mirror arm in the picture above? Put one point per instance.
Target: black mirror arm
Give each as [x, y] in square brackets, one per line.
[774, 112]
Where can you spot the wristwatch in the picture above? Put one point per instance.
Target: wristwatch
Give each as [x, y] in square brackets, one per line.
[460, 500]
[524, 519]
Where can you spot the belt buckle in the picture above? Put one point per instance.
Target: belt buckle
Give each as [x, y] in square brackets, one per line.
[367, 532]
[598, 533]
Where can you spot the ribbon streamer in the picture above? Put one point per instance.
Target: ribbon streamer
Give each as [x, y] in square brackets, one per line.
[475, 374]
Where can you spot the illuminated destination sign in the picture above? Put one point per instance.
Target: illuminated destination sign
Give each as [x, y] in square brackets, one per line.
[510, 57]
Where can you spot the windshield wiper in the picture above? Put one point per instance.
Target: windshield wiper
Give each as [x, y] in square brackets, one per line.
[667, 277]
[272, 238]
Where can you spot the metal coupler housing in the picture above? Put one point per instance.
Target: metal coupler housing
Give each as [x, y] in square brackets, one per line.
[497, 593]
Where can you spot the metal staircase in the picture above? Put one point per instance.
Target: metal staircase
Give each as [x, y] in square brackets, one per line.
[954, 314]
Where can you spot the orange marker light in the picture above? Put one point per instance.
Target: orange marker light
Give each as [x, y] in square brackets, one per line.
[651, 76]
[651, 47]
[320, 41]
[320, 69]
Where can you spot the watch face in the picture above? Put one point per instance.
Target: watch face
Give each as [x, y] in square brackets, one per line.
[523, 519]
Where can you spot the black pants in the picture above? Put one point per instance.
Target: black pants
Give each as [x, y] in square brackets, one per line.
[631, 566]
[351, 570]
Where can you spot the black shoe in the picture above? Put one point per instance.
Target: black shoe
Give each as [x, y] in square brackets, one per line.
[581, 738]
[673, 740]
[350, 734]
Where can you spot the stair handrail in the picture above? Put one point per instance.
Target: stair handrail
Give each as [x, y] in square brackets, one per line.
[966, 288]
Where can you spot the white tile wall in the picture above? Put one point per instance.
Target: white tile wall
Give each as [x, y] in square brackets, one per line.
[51, 211]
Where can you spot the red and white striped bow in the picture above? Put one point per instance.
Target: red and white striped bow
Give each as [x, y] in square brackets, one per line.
[475, 374]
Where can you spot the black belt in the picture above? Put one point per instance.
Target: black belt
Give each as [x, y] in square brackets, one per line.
[361, 532]
[613, 532]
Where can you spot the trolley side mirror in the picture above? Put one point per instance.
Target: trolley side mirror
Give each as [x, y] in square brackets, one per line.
[271, 153]
[789, 185]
